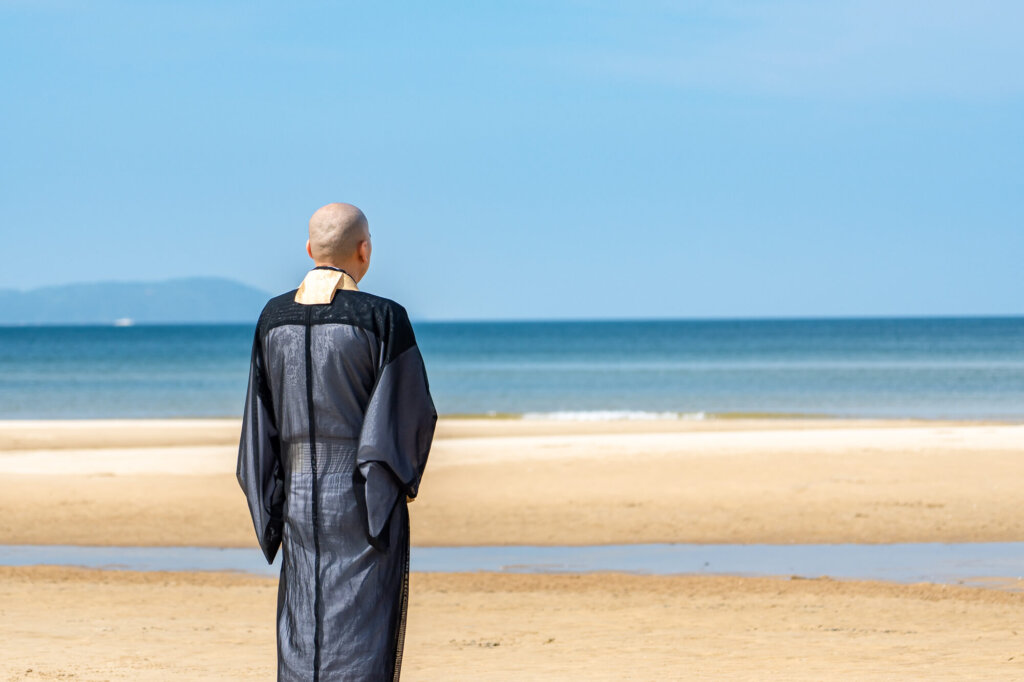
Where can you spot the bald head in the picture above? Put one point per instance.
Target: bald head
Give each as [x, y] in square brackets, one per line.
[335, 231]
[339, 235]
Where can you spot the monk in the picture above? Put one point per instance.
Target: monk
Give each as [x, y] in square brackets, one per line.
[337, 428]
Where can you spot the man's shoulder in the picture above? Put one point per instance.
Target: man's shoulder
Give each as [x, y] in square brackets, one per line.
[378, 303]
[279, 301]
[358, 308]
[278, 310]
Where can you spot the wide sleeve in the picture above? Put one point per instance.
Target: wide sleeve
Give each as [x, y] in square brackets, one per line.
[397, 431]
[259, 470]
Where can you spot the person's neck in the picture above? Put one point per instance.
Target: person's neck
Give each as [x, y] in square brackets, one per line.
[347, 270]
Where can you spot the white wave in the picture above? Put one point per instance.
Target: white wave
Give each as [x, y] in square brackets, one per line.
[611, 415]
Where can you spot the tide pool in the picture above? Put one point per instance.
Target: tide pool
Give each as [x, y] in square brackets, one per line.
[985, 563]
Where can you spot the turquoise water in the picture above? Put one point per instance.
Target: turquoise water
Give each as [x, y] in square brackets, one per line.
[942, 367]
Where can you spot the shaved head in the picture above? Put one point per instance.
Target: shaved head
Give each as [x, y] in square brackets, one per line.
[335, 232]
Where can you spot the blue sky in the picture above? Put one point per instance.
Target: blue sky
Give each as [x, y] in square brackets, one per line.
[528, 159]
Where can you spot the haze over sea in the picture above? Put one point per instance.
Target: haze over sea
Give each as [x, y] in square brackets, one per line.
[915, 367]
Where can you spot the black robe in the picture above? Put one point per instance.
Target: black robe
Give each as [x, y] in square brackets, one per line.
[337, 427]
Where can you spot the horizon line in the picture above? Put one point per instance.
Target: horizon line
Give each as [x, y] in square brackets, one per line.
[562, 320]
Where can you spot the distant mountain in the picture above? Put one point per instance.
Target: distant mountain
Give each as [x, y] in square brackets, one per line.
[193, 299]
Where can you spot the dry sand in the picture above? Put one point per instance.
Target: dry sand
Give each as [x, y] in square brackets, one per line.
[172, 482]
[501, 481]
[60, 623]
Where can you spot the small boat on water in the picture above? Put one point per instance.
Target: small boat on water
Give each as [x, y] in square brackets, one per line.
[124, 322]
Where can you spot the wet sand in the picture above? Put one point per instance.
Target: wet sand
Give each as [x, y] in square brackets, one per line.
[505, 481]
[64, 623]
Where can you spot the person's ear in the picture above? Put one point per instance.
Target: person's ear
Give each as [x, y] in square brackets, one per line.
[309, 249]
[364, 250]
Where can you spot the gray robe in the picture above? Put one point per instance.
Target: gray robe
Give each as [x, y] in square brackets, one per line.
[337, 427]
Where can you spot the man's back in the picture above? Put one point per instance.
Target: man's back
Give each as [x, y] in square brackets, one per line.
[335, 436]
[350, 341]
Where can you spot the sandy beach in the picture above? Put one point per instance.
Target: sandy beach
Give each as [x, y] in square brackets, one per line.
[503, 481]
[61, 623]
[716, 307]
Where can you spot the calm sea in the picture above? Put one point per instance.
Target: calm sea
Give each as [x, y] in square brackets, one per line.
[949, 367]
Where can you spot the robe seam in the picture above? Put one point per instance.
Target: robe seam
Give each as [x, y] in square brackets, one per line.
[317, 588]
[403, 599]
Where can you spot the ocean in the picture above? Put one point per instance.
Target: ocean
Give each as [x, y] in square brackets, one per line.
[969, 368]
